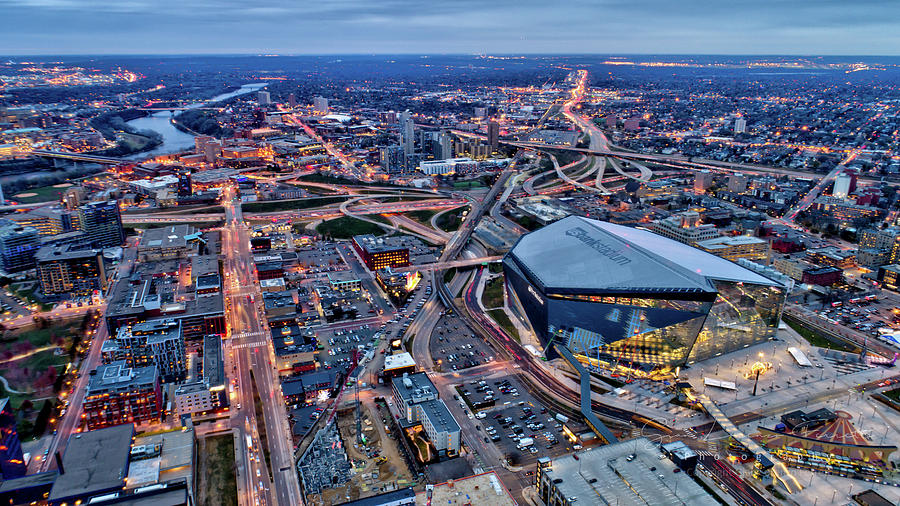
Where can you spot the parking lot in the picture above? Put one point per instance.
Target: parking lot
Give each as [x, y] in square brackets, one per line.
[320, 258]
[517, 424]
[871, 317]
[455, 347]
[340, 343]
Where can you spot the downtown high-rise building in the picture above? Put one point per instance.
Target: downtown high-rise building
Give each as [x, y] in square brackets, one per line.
[446, 146]
[841, 185]
[102, 223]
[737, 183]
[70, 269]
[391, 159]
[740, 125]
[320, 105]
[407, 133]
[185, 187]
[292, 100]
[702, 181]
[493, 135]
[263, 98]
[18, 245]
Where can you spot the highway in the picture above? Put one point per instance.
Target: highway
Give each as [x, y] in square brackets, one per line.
[323, 212]
[598, 140]
[496, 209]
[253, 354]
[817, 190]
[351, 169]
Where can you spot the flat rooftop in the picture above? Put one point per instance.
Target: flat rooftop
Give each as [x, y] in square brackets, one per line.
[150, 291]
[342, 276]
[174, 236]
[610, 473]
[59, 252]
[94, 462]
[407, 385]
[373, 244]
[439, 415]
[177, 448]
[117, 375]
[398, 360]
[213, 361]
[483, 488]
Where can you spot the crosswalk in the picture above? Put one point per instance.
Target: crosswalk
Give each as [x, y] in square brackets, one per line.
[248, 334]
[250, 345]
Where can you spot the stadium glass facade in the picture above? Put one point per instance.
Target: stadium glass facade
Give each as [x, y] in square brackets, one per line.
[628, 304]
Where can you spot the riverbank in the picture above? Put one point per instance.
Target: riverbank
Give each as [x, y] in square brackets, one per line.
[177, 137]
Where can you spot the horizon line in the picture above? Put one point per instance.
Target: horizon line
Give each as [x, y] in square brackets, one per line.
[484, 55]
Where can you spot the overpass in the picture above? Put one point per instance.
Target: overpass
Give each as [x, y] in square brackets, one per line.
[585, 405]
[79, 157]
[451, 264]
[331, 212]
[680, 161]
[779, 471]
[14, 207]
[179, 108]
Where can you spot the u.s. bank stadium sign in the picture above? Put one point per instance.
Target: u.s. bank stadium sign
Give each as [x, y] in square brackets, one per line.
[595, 244]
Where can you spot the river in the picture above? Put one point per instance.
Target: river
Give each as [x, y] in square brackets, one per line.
[174, 140]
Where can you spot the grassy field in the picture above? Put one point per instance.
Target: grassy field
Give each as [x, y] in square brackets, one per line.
[41, 337]
[493, 293]
[500, 317]
[25, 362]
[379, 218]
[43, 194]
[32, 360]
[134, 143]
[217, 480]
[346, 227]
[290, 205]
[817, 339]
[451, 220]
[894, 394]
[468, 184]
[423, 216]
[326, 179]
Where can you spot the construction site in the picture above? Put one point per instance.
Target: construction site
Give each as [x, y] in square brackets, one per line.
[366, 447]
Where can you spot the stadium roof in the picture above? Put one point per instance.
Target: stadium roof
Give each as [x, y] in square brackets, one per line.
[578, 253]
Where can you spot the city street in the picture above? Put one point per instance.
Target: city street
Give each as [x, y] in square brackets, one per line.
[247, 322]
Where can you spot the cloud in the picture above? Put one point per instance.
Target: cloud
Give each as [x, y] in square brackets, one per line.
[518, 26]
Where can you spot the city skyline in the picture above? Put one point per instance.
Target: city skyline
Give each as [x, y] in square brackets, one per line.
[521, 253]
[463, 27]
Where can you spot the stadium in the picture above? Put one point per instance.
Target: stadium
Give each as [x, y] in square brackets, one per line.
[620, 295]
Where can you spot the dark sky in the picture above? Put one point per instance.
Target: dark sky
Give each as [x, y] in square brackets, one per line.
[857, 27]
